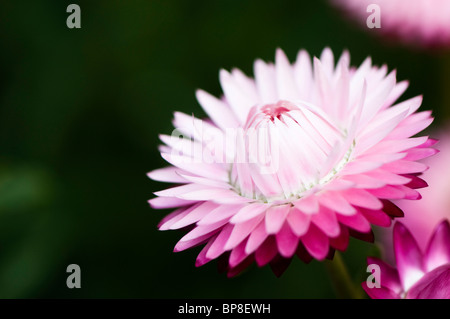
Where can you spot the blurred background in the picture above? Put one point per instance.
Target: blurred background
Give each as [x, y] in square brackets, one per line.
[80, 114]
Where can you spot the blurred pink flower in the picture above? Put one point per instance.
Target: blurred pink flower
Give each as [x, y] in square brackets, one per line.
[420, 274]
[424, 215]
[292, 162]
[419, 22]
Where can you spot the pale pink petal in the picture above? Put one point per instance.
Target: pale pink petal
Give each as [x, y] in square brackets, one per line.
[241, 231]
[193, 127]
[377, 98]
[194, 215]
[186, 244]
[239, 101]
[364, 181]
[336, 202]
[222, 212]
[202, 230]
[208, 193]
[396, 92]
[298, 221]
[326, 221]
[407, 130]
[382, 158]
[217, 248]
[387, 192]
[359, 167]
[379, 129]
[420, 153]
[388, 177]
[247, 84]
[265, 81]
[405, 167]
[248, 212]
[175, 216]
[327, 59]
[303, 74]
[204, 181]
[340, 184]
[323, 86]
[308, 204]
[169, 202]
[178, 190]
[396, 146]
[362, 198]
[286, 87]
[167, 174]
[217, 110]
[415, 121]
[275, 217]
[213, 171]
[256, 238]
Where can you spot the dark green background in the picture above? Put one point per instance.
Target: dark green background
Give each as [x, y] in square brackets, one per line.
[80, 114]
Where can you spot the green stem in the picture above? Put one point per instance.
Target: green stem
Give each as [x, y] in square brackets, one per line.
[341, 280]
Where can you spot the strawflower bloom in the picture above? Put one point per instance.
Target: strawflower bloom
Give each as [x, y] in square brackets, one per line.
[420, 274]
[423, 23]
[292, 162]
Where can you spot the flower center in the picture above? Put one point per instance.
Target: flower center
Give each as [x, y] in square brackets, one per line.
[284, 150]
[274, 111]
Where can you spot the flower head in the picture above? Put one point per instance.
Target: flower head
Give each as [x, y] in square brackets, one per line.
[292, 162]
[422, 23]
[419, 274]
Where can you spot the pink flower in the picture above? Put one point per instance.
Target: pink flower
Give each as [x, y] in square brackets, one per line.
[419, 274]
[419, 22]
[292, 162]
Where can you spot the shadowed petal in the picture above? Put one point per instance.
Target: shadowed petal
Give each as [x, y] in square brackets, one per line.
[408, 256]
[438, 251]
[316, 243]
[379, 293]
[287, 241]
[434, 285]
